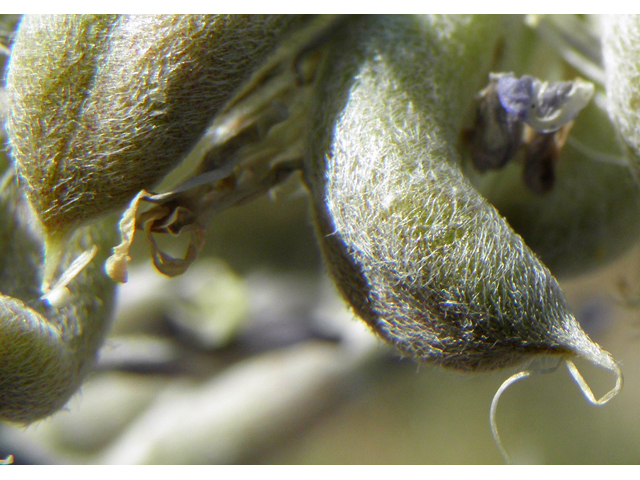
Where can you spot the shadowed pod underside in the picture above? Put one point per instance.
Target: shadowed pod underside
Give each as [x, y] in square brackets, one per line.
[427, 262]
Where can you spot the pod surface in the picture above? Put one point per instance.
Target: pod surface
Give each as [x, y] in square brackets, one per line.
[103, 106]
[426, 261]
[46, 351]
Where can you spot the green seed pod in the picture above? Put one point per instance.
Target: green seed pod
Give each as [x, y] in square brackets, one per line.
[102, 107]
[421, 256]
[423, 259]
[47, 343]
[621, 37]
[46, 350]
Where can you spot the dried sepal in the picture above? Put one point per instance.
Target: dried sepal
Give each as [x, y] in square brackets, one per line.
[497, 134]
[255, 143]
[175, 222]
[117, 264]
[159, 219]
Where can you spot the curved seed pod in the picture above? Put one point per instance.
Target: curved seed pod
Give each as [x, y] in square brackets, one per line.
[102, 107]
[45, 351]
[427, 262]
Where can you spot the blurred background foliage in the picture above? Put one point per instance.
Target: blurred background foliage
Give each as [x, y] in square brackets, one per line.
[251, 357]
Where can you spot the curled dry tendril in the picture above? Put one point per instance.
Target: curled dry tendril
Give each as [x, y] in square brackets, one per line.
[529, 371]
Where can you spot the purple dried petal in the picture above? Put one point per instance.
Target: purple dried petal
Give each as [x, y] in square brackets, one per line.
[517, 96]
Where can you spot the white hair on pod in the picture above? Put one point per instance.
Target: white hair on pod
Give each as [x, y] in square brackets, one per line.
[621, 37]
[421, 257]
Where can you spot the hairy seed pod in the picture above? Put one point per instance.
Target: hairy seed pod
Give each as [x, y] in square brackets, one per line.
[103, 106]
[46, 350]
[422, 258]
[621, 37]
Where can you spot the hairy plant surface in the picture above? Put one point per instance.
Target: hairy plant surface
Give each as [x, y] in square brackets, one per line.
[389, 119]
